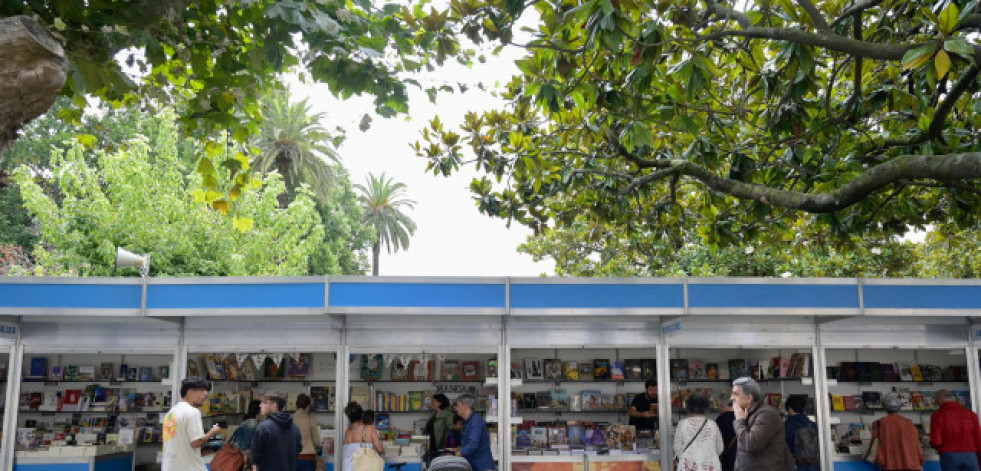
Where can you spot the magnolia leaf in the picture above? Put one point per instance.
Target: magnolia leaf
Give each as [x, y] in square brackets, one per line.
[87, 140]
[221, 204]
[942, 63]
[960, 47]
[948, 19]
[918, 56]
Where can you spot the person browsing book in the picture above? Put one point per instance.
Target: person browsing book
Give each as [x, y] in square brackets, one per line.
[697, 440]
[899, 441]
[475, 444]
[760, 443]
[309, 434]
[183, 433]
[724, 421]
[439, 425]
[358, 435]
[955, 433]
[277, 440]
[641, 412]
[242, 438]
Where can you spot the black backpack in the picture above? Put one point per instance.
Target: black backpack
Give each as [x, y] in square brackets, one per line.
[806, 450]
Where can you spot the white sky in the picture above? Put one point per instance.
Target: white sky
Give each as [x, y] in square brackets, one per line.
[452, 237]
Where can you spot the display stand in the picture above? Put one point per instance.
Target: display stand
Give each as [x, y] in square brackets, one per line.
[9, 331]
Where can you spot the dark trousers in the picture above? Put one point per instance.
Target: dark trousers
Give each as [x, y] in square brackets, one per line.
[306, 465]
[961, 461]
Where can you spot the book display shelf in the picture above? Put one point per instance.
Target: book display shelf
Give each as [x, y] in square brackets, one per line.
[858, 380]
[399, 388]
[710, 372]
[99, 404]
[239, 378]
[574, 401]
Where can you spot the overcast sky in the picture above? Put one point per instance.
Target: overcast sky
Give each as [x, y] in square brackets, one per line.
[453, 238]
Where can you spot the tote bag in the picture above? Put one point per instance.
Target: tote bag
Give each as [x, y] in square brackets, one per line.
[228, 458]
[367, 459]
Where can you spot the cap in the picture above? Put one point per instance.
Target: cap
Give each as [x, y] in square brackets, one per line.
[892, 403]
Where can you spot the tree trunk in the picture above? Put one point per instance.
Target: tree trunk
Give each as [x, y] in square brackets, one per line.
[33, 68]
[375, 252]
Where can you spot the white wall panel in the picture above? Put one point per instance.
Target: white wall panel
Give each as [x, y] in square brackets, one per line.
[457, 333]
[73, 333]
[270, 333]
[738, 331]
[543, 333]
[885, 332]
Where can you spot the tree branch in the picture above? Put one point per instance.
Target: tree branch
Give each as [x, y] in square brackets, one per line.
[932, 167]
[834, 42]
[940, 114]
[815, 14]
[857, 8]
[725, 13]
[971, 22]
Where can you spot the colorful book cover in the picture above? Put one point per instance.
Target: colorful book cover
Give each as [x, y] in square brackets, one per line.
[470, 371]
[837, 402]
[299, 366]
[559, 399]
[371, 367]
[712, 371]
[320, 398]
[450, 370]
[738, 368]
[696, 369]
[571, 370]
[592, 399]
[56, 373]
[39, 368]
[648, 368]
[616, 371]
[517, 369]
[601, 369]
[585, 370]
[576, 434]
[916, 372]
[553, 369]
[678, 369]
[632, 369]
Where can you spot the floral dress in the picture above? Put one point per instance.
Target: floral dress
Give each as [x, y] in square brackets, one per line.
[703, 453]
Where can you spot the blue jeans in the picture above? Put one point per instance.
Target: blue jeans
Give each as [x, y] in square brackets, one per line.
[305, 465]
[961, 461]
[809, 467]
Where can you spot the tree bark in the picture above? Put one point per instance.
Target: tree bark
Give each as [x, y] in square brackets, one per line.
[33, 69]
[375, 253]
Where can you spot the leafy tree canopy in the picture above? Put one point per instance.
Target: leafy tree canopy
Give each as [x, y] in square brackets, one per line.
[138, 196]
[219, 56]
[860, 117]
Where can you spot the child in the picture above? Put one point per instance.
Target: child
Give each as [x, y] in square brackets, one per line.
[455, 437]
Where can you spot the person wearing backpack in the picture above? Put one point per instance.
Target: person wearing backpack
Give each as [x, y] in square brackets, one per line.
[801, 434]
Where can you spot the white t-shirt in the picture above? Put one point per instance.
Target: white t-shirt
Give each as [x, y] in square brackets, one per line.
[181, 426]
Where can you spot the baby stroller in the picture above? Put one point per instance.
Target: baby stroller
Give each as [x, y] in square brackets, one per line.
[448, 462]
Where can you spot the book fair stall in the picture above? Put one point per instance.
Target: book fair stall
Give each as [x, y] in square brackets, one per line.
[90, 366]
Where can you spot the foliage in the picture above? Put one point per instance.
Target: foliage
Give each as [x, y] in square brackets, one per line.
[346, 238]
[16, 229]
[950, 252]
[383, 202]
[293, 142]
[220, 56]
[860, 118]
[138, 197]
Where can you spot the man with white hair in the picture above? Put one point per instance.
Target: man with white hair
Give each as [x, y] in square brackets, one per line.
[760, 443]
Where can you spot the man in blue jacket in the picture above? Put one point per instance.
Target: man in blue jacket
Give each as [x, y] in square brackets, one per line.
[475, 444]
[277, 440]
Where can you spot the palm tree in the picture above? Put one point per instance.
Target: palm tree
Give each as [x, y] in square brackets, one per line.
[383, 200]
[293, 142]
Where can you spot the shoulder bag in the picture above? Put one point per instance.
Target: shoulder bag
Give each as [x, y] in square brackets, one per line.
[674, 464]
[228, 458]
[872, 455]
[367, 459]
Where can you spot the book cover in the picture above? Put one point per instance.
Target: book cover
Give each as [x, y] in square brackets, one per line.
[724, 372]
[517, 369]
[571, 370]
[679, 369]
[849, 372]
[889, 372]
[71, 373]
[539, 436]
[470, 371]
[543, 400]
[557, 435]
[903, 369]
[107, 372]
[86, 373]
[616, 371]
[601, 369]
[533, 369]
[872, 400]
[529, 401]
[553, 369]
[592, 399]
[56, 373]
[400, 371]
[231, 369]
[320, 398]
[784, 366]
[837, 402]
[299, 366]
[632, 369]
[450, 370]
[383, 421]
[712, 371]
[146, 374]
[492, 368]
[559, 399]
[522, 438]
[371, 367]
[863, 371]
[192, 368]
[917, 400]
[916, 372]
[876, 371]
[132, 374]
[585, 371]
[575, 433]
[648, 368]
[39, 368]
[696, 369]
[738, 368]
[422, 372]
[849, 402]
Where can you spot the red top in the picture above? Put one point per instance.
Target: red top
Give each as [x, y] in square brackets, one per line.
[899, 443]
[955, 429]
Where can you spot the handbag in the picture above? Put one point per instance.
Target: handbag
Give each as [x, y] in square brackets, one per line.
[674, 463]
[228, 458]
[367, 459]
[872, 455]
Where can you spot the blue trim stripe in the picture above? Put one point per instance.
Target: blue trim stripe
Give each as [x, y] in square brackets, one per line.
[922, 297]
[244, 296]
[767, 296]
[416, 295]
[78, 296]
[613, 296]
